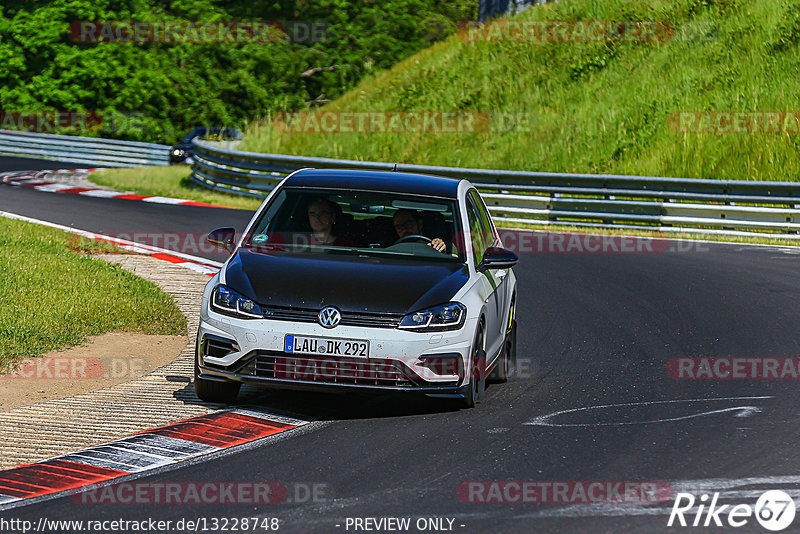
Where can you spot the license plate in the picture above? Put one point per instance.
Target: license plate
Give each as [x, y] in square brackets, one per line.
[327, 346]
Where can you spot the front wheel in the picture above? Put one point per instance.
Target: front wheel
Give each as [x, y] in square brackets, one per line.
[214, 391]
[508, 358]
[477, 373]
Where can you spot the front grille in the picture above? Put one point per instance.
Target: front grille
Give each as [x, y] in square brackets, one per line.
[377, 320]
[365, 319]
[327, 369]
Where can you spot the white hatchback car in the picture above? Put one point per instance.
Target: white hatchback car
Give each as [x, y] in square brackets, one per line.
[361, 280]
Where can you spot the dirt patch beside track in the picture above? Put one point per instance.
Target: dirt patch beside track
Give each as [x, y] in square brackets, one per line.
[55, 427]
[104, 361]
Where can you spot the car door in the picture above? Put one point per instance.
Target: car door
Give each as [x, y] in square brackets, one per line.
[500, 275]
[489, 283]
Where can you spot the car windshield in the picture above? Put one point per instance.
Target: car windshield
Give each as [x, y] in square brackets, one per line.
[300, 220]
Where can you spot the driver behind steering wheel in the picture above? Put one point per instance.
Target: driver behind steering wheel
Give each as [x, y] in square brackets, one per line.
[408, 222]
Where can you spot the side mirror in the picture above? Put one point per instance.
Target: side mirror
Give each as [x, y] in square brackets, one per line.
[223, 238]
[497, 258]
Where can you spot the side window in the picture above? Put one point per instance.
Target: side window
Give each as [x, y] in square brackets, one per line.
[488, 233]
[476, 232]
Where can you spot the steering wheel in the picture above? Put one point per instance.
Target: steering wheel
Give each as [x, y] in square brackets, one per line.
[410, 237]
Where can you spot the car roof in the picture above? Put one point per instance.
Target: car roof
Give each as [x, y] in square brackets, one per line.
[389, 181]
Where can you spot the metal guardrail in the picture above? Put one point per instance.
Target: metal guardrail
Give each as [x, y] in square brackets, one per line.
[602, 200]
[86, 150]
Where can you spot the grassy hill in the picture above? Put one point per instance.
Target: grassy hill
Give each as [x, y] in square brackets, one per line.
[599, 107]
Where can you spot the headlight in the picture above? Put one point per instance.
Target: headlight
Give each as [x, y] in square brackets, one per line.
[450, 316]
[227, 301]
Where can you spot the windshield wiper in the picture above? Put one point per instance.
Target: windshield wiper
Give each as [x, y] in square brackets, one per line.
[366, 251]
[392, 253]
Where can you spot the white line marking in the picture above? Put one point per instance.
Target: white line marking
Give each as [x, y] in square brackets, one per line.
[270, 416]
[605, 510]
[147, 249]
[697, 487]
[160, 451]
[53, 188]
[101, 193]
[743, 411]
[138, 450]
[176, 446]
[723, 483]
[202, 269]
[753, 494]
[92, 458]
[32, 182]
[165, 200]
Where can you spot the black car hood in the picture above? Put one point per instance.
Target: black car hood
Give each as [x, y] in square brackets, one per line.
[350, 283]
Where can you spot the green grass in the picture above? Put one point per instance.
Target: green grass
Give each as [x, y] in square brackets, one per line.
[53, 298]
[590, 107]
[172, 181]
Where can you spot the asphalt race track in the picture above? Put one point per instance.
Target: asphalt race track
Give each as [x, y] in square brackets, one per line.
[118, 217]
[595, 329]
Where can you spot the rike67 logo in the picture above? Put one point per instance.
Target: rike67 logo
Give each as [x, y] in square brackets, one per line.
[774, 510]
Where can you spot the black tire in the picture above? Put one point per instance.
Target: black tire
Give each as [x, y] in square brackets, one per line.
[214, 391]
[508, 357]
[512, 364]
[477, 373]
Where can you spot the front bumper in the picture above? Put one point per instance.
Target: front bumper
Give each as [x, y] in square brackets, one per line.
[444, 391]
[399, 361]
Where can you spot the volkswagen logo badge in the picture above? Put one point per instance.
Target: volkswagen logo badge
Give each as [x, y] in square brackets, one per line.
[329, 317]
